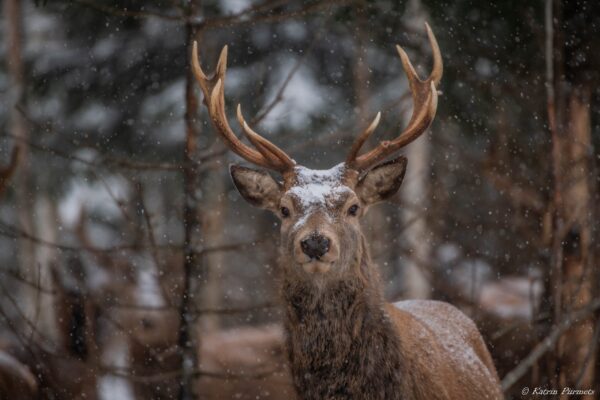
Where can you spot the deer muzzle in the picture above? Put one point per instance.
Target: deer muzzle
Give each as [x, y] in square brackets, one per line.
[316, 251]
[315, 246]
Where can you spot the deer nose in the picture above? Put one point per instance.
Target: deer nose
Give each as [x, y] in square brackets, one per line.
[315, 246]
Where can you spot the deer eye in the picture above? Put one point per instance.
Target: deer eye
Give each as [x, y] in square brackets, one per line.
[353, 210]
[285, 212]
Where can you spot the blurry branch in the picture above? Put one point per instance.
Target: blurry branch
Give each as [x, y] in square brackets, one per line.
[124, 12]
[197, 311]
[105, 160]
[235, 310]
[54, 151]
[228, 247]
[519, 195]
[267, 16]
[11, 231]
[21, 314]
[20, 278]
[28, 347]
[279, 95]
[265, 10]
[549, 342]
[197, 373]
[151, 237]
[230, 376]
[141, 165]
[348, 132]
[7, 171]
[14, 232]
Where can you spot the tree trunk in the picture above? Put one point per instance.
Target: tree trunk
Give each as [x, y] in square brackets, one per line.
[212, 226]
[45, 258]
[24, 198]
[415, 193]
[576, 358]
[187, 341]
[572, 267]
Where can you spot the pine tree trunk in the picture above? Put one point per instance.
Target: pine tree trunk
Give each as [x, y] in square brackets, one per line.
[572, 268]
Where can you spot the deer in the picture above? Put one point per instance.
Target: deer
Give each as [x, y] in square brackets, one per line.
[343, 340]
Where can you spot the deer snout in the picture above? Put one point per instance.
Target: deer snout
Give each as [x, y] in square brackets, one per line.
[315, 246]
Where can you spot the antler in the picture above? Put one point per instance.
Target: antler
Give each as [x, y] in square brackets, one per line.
[266, 154]
[424, 95]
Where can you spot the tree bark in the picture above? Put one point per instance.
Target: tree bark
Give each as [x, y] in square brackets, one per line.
[24, 196]
[187, 341]
[572, 267]
[575, 360]
[212, 227]
[415, 194]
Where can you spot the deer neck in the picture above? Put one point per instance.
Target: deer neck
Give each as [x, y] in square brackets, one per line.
[341, 342]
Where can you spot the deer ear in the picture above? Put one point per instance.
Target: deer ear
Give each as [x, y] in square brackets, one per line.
[381, 182]
[257, 187]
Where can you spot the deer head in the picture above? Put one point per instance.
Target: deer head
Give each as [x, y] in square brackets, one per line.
[320, 209]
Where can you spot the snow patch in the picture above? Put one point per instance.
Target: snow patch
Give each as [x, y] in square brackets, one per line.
[303, 97]
[111, 387]
[316, 187]
[148, 292]
[95, 196]
[95, 114]
[448, 325]
[234, 6]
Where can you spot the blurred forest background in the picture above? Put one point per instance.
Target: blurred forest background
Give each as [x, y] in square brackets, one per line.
[131, 268]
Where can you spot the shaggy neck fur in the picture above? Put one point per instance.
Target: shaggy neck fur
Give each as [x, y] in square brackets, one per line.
[341, 342]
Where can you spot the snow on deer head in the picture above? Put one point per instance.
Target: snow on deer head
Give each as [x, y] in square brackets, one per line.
[320, 210]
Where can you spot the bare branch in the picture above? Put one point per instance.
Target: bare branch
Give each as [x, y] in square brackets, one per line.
[549, 342]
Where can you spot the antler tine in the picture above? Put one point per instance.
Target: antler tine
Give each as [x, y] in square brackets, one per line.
[438, 65]
[261, 143]
[362, 138]
[424, 95]
[268, 155]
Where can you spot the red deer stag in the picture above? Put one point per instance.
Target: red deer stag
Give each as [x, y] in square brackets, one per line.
[344, 341]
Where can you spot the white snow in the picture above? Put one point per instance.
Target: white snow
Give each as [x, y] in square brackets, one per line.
[316, 187]
[449, 326]
[95, 197]
[148, 292]
[113, 387]
[92, 115]
[302, 98]
[234, 6]
[511, 297]
[165, 101]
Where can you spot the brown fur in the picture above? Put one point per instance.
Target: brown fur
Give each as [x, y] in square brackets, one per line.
[344, 341]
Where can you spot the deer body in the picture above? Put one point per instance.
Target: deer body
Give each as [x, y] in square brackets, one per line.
[344, 341]
[342, 346]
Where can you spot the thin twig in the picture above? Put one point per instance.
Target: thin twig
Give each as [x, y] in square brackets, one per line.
[545, 345]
